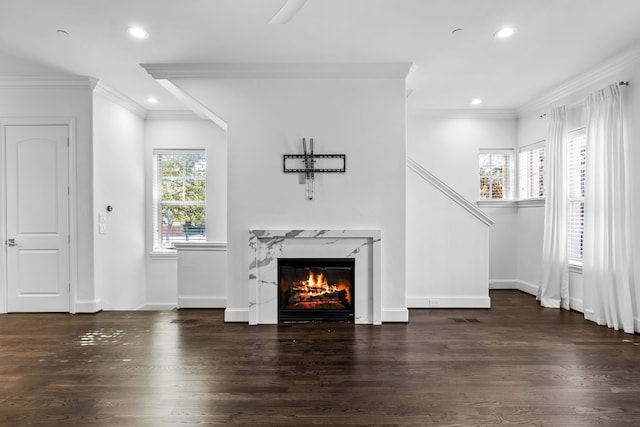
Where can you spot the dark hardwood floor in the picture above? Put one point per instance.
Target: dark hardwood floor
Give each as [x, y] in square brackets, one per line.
[515, 364]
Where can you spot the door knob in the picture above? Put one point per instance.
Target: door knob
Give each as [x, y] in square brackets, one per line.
[11, 242]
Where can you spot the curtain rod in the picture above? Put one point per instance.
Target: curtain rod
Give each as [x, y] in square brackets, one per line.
[621, 83]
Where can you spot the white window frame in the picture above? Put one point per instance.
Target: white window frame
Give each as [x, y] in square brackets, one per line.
[508, 154]
[576, 163]
[531, 163]
[158, 245]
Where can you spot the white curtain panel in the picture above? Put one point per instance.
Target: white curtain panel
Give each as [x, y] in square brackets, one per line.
[554, 285]
[607, 257]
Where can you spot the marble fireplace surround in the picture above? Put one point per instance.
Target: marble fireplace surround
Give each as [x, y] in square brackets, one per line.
[266, 246]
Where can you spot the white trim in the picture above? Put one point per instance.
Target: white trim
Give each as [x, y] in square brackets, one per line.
[470, 114]
[280, 71]
[236, 315]
[530, 203]
[88, 306]
[164, 255]
[120, 99]
[527, 287]
[173, 115]
[449, 192]
[157, 306]
[193, 104]
[503, 284]
[520, 285]
[576, 304]
[201, 246]
[449, 302]
[49, 82]
[496, 203]
[202, 302]
[533, 145]
[582, 81]
[395, 315]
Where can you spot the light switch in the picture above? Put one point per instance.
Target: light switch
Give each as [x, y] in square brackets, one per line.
[102, 228]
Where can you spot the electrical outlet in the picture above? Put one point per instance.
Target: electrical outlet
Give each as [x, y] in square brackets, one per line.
[102, 217]
[434, 302]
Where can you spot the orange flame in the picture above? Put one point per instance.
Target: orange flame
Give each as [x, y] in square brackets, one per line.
[317, 285]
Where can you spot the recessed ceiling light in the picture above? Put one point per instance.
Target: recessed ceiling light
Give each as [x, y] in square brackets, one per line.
[152, 100]
[476, 101]
[504, 33]
[138, 32]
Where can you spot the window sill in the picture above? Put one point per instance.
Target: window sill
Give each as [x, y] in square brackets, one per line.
[496, 203]
[164, 255]
[526, 203]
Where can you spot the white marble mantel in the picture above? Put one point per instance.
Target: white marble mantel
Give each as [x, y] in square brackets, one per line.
[266, 246]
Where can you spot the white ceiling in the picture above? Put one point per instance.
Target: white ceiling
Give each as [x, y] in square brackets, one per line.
[556, 40]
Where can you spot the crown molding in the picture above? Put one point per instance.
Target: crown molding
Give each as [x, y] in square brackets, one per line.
[120, 99]
[280, 71]
[48, 82]
[607, 69]
[486, 114]
[173, 115]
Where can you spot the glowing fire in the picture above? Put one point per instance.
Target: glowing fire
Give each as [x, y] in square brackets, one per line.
[316, 286]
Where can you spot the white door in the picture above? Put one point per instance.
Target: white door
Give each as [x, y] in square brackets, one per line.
[37, 218]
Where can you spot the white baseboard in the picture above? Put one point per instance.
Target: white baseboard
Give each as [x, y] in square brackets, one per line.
[202, 302]
[236, 315]
[395, 315]
[157, 306]
[520, 285]
[86, 306]
[448, 302]
[504, 284]
[577, 304]
[527, 287]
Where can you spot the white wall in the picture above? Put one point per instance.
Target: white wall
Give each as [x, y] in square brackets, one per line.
[362, 118]
[183, 131]
[118, 139]
[447, 144]
[447, 250]
[67, 100]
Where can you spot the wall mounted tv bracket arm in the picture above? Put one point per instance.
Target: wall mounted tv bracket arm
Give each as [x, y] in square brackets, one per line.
[330, 163]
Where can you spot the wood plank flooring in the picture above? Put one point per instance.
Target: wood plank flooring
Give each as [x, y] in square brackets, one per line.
[515, 364]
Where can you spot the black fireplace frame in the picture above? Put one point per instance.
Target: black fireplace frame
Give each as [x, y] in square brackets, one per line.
[288, 315]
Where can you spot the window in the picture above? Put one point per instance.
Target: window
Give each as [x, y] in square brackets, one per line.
[531, 171]
[576, 158]
[495, 174]
[179, 197]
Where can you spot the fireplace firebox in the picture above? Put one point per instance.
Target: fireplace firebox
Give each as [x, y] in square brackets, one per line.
[316, 290]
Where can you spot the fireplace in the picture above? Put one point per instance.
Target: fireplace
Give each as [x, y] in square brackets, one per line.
[266, 246]
[316, 290]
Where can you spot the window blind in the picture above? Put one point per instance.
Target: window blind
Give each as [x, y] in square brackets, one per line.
[531, 170]
[576, 156]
